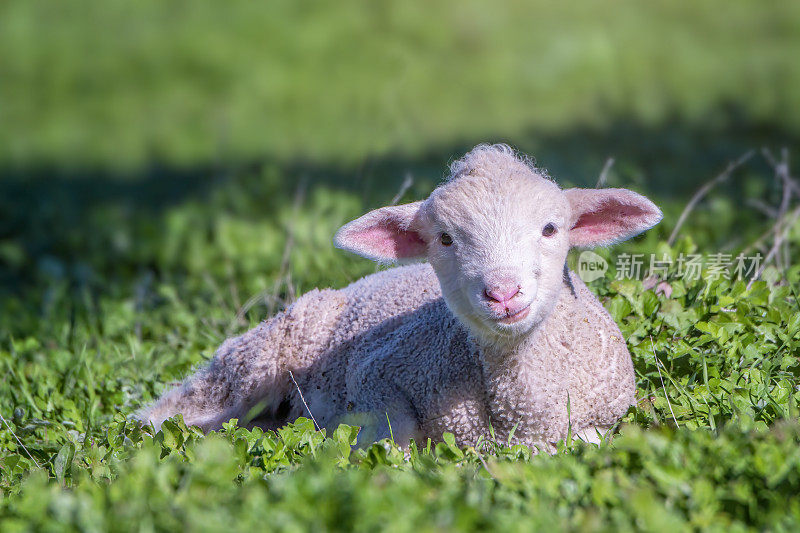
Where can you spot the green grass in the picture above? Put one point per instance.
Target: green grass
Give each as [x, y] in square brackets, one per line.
[297, 480]
[172, 174]
[115, 85]
[108, 302]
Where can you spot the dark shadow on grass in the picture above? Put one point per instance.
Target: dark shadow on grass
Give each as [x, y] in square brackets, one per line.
[52, 216]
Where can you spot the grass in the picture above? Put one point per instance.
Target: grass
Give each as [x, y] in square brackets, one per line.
[171, 175]
[112, 85]
[122, 306]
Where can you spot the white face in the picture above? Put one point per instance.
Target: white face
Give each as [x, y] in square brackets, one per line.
[498, 247]
[497, 234]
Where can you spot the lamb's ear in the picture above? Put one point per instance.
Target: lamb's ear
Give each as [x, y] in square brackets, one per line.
[604, 216]
[384, 235]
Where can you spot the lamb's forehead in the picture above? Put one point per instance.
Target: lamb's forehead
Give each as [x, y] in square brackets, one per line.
[496, 193]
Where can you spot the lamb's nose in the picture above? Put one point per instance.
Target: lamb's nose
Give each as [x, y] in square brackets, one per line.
[501, 294]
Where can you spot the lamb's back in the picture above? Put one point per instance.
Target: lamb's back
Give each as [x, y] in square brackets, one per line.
[328, 322]
[367, 314]
[380, 299]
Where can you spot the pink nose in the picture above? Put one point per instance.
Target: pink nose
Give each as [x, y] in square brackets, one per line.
[501, 294]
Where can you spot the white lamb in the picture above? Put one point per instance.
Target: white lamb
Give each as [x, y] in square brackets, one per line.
[495, 331]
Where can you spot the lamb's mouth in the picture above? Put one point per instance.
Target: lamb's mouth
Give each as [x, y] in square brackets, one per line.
[512, 318]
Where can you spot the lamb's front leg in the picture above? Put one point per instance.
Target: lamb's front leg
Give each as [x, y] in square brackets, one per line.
[383, 411]
[245, 373]
[463, 414]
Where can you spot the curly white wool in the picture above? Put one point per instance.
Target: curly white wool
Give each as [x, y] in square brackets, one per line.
[494, 332]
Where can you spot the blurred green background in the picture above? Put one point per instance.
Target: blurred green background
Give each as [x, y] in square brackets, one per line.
[171, 136]
[207, 146]
[115, 85]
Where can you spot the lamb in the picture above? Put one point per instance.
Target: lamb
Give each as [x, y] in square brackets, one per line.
[494, 332]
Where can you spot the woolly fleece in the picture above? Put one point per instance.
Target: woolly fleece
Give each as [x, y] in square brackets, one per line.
[395, 355]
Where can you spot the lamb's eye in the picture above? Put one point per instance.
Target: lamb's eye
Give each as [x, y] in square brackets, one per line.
[549, 230]
[447, 240]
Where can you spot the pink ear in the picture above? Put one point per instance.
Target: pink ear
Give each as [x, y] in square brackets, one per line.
[604, 216]
[383, 235]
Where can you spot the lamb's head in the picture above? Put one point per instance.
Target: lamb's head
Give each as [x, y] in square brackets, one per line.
[497, 233]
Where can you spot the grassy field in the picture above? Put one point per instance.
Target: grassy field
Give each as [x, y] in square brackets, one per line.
[108, 84]
[172, 174]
